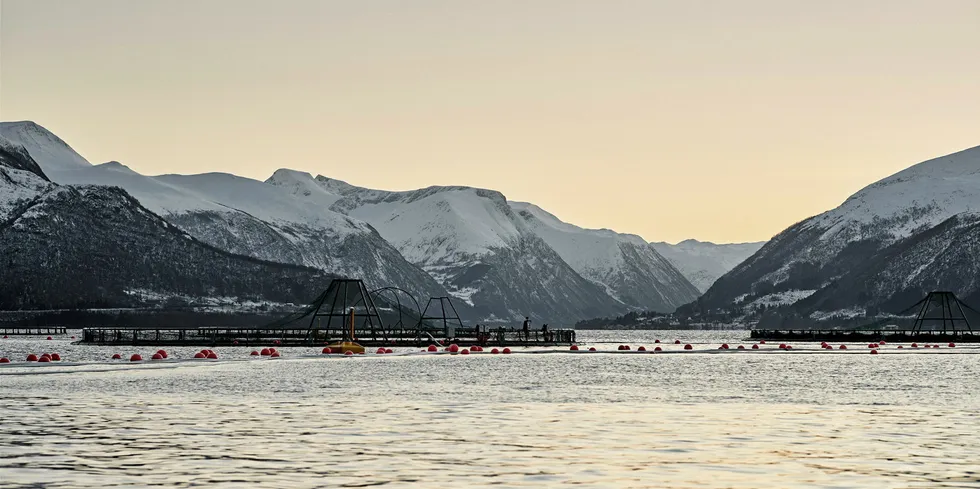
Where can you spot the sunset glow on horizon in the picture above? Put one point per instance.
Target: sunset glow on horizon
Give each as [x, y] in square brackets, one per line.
[719, 121]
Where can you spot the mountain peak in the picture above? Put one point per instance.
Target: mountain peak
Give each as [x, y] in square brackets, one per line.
[48, 150]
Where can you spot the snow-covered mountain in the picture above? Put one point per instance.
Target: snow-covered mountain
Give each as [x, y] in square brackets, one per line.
[884, 246]
[703, 262]
[68, 246]
[628, 268]
[240, 215]
[502, 260]
[472, 242]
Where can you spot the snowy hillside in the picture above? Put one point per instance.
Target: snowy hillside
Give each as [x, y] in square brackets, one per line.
[241, 216]
[67, 246]
[820, 254]
[703, 262]
[624, 264]
[472, 242]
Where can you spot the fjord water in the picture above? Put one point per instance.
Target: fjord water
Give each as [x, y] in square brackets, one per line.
[769, 419]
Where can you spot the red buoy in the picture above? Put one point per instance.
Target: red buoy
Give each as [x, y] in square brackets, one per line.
[49, 338]
[899, 347]
[4, 336]
[782, 346]
[73, 337]
[275, 354]
[235, 343]
[914, 345]
[32, 358]
[573, 348]
[156, 356]
[265, 352]
[740, 347]
[874, 352]
[762, 342]
[4, 360]
[276, 342]
[642, 348]
[44, 359]
[136, 358]
[255, 353]
[843, 347]
[116, 356]
[433, 348]
[656, 341]
[677, 342]
[724, 346]
[380, 351]
[755, 347]
[200, 355]
[952, 345]
[882, 342]
[453, 348]
[592, 348]
[348, 353]
[688, 347]
[506, 351]
[163, 353]
[494, 351]
[389, 350]
[657, 349]
[214, 356]
[55, 357]
[464, 351]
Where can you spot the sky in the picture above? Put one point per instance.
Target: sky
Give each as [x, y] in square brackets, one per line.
[717, 120]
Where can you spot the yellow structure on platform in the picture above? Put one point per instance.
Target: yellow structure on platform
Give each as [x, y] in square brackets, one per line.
[348, 344]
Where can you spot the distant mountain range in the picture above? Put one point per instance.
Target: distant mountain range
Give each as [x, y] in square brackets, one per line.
[703, 262]
[500, 260]
[880, 251]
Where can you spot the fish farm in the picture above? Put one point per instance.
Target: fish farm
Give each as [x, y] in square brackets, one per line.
[940, 317]
[345, 312]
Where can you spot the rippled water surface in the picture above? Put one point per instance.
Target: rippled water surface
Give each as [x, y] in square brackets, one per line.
[705, 419]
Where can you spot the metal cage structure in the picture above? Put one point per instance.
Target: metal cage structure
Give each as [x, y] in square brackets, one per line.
[441, 312]
[332, 312]
[941, 309]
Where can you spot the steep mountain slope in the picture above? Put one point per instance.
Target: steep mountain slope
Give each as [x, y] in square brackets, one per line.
[472, 242]
[871, 250]
[630, 270]
[703, 262]
[242, 216]
[42, 145]
[77, 246]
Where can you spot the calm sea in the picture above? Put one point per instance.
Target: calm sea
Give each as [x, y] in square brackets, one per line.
[703, 419]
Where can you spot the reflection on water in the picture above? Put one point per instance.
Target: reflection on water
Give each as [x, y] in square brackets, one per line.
[683, 420]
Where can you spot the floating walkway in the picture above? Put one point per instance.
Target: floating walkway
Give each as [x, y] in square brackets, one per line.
[213, 337]
[32, 331]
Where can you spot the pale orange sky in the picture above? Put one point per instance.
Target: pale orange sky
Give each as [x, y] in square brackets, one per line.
[717, 120]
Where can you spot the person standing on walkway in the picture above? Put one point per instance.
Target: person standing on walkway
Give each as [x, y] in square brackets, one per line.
[527, 328]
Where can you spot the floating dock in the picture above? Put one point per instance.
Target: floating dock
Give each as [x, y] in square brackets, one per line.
[201, 336]
[866, 336]
[32, 331]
